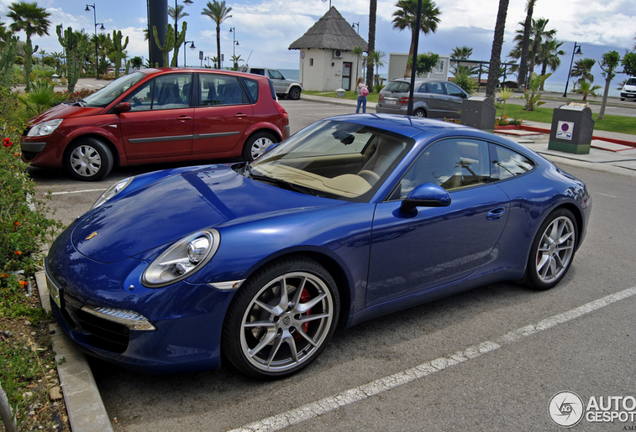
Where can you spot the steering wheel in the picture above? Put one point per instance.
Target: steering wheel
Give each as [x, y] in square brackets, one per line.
[370, 176]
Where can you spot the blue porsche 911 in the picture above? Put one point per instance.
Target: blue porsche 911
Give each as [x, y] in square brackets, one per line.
[351, 218]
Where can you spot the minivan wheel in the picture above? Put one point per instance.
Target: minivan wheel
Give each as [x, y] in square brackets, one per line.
[88, 159]
[419, 113]
[257, 144]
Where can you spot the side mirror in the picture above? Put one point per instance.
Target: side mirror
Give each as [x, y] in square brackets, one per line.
[426, 195]
[122, 107]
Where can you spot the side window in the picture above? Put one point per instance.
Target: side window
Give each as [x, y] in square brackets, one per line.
[452, 164]
[258, 71]
[220, 90]
[423, 88]
[274, 74]
[453, 90]
[435, 87]
[252, 89]
[165, 92]
[506, 163]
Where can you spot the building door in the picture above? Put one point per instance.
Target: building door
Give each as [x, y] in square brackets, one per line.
[346, 75]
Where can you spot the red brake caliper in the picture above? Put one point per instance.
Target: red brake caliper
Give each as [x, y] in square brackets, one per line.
[304, 297]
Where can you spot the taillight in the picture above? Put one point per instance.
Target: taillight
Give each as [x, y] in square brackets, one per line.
[404, 100]
[380, 98]
[281, 110]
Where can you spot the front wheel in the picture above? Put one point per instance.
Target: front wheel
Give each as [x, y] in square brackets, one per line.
[88, 159]
[281, 319]
[552, 250]
[257, 144]
[294, 93]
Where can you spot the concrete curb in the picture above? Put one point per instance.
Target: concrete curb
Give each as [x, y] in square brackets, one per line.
[84, 405]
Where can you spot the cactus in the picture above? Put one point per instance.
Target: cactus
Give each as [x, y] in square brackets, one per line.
[6, 61]
[127, 66]
[169, 43]
[180, 39]
[118, 49]
[76, 45]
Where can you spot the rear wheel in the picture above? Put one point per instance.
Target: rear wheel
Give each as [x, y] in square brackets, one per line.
[281, 319]
[257, 144]
[419, 113]
[88, 159]
[552, 250]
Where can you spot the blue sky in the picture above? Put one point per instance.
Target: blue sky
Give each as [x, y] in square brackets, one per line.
[266, 28]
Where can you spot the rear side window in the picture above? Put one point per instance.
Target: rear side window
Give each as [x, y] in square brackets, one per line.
[506, 163]
[271, 87]
[220, 90]
[258, 71]
[251, 86]
[397, 86]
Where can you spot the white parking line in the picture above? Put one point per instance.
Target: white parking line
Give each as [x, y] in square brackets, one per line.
[74, 192]
[347, 397]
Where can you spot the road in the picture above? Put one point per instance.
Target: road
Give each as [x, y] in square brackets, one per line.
[505, 386]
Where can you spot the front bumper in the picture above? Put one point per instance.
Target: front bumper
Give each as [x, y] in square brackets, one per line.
[188, 317]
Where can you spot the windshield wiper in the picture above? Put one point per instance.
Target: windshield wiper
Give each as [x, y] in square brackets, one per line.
[283, 184]
[82, 103]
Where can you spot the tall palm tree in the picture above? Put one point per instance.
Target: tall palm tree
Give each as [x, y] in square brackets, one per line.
[539, 34]
[405, 17]
[357, 51]
[373, 9]
[462, 53]
[525, 44]
[548, 56]
[180, 13]
[583, 70]
[376, 58]
[495, 55]
[31, 19]
[217, 12]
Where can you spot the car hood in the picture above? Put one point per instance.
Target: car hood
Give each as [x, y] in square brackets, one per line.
[171, 208]
[64, 111]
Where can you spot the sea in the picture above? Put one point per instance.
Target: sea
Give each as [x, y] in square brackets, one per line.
[549, 86]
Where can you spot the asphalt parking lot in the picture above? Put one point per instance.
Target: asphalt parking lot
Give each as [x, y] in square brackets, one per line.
[488, 359]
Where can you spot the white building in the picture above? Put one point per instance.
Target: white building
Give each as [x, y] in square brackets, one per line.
[397, 67]
[327, 62]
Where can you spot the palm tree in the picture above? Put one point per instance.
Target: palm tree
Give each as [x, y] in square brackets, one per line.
[587, 89]
[548, 56]
[180, 13]
[405, 17]
[608, 64]
[376, 58]
[462, 53]
[357, 51]
[218, 13]
[583, 70]
[495, 55]
[525, 44]
[373, 9]
[31, 19]
[539, 34]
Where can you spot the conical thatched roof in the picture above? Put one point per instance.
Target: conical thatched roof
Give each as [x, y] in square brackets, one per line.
[331, 31]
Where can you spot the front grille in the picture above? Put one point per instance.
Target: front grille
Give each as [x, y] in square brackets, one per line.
[104, 334]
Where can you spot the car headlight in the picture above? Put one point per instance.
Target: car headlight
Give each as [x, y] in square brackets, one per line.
[182, 259]
[112, 191]
[45, 128]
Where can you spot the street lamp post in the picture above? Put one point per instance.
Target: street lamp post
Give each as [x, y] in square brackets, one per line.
[353, 25]
[102, 28]
[176, 31]
[185, 64]
[577, 52]
[234, 44]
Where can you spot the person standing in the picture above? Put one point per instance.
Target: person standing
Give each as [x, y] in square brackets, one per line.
[362, 91]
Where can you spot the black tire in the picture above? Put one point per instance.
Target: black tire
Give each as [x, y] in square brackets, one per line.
[88, 159]
[294, 93]
[289, 339]
[257, 144]
[552, 250]
[419, 113]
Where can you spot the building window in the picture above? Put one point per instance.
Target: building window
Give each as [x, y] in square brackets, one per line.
[440, 67]
[311, 62]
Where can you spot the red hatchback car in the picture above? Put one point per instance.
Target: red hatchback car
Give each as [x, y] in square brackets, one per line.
[158, 115]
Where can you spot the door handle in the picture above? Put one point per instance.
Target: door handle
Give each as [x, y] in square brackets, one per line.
[240, 115]
[184, 118]
[496, 214]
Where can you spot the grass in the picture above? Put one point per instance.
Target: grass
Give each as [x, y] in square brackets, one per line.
[610, 123]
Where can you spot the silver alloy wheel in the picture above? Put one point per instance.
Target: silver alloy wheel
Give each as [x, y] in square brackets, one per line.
[555, 249]
[85, 161]
[259, 146]
[419, 113]
[286, 322]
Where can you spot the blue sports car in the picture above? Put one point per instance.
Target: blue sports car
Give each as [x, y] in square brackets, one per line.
[351, 218]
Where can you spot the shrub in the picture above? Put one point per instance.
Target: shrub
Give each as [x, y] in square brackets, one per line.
[465, 82]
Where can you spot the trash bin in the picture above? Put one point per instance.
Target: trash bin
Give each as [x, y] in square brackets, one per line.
[479, 113]
[340, 92]
[572, 128]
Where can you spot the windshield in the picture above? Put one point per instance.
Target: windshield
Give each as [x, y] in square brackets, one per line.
[631, 81]
[334, 159]
[112, 91]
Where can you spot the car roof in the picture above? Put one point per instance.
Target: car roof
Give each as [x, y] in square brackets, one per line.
[408, 80]
[157, 71]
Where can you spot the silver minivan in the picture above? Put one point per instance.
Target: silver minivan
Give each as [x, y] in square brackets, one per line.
[431, 98]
